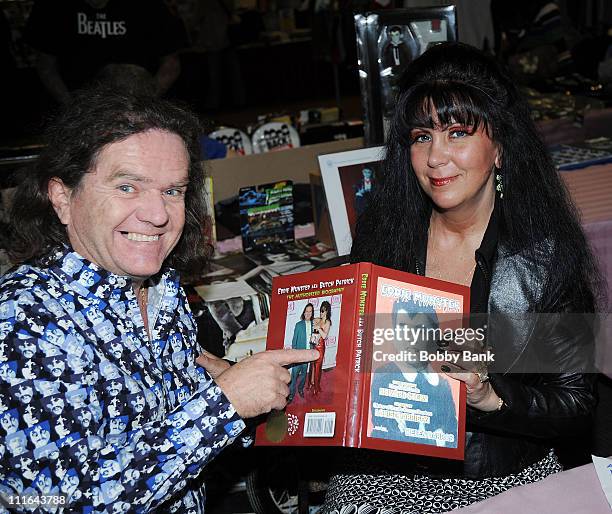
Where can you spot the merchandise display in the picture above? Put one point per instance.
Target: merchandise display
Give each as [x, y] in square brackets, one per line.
[234, 139]
[549, 106]
[274, 136]
[266, 215]
[231, 301]
[574, 157]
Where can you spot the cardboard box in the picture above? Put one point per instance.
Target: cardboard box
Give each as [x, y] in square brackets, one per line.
[229, 175]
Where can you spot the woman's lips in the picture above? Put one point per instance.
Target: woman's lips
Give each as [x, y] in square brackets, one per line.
[439, 182]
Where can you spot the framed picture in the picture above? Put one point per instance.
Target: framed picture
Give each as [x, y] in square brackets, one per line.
[387, 41]
[348, 178]
[320, 211]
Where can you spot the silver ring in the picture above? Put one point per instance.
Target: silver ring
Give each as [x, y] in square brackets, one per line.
[483, 376]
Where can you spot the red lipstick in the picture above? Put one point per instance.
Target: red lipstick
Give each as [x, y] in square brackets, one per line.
[439, 182]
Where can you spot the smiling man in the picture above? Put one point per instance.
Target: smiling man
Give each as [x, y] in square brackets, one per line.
[100, 387]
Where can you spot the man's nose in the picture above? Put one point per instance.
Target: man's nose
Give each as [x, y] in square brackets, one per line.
[153, 209]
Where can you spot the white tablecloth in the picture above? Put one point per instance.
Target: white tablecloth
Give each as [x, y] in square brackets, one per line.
[576, 491]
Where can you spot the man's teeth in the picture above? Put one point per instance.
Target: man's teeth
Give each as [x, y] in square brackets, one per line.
[141, 237]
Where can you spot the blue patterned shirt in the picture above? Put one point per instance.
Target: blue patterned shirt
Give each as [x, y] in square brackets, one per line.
[91, 406]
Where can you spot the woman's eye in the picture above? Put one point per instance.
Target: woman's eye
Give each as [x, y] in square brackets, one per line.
[457, 133]
[126, 188]
[420, 138]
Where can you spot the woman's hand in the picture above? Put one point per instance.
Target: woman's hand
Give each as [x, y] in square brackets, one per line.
[480, 393]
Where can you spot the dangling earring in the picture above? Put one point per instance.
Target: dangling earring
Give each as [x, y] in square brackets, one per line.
[499, 187]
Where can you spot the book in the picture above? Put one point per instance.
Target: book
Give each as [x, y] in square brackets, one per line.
[377, 383]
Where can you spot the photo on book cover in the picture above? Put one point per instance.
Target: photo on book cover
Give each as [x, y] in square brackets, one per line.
[410, 401]
[348, 179]
[313, 323]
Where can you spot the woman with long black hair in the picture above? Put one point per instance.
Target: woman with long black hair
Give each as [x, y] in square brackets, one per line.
[469, 194]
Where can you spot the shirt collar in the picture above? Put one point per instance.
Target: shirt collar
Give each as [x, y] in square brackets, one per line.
[432, 378]
[90, 279]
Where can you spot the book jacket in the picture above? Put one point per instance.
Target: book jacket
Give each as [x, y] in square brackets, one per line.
[376, 383]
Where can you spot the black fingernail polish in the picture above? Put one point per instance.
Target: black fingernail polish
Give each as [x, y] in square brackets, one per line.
[445, 368]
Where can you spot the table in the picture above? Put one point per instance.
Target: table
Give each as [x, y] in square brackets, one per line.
[597, 122]
[591, 190]
[576, 491]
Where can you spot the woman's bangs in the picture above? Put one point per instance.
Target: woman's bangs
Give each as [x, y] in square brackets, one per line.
[442, 105]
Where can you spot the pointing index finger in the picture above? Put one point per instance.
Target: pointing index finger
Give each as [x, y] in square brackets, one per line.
[284, 357]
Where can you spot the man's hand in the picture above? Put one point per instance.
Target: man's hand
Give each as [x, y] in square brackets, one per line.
[213, 364]
[258, 384]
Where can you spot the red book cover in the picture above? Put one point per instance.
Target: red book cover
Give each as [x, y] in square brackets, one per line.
[376, 383]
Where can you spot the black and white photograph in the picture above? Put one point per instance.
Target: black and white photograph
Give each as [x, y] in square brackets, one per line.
[387, 42]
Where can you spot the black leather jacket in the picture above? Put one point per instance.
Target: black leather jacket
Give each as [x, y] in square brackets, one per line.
[543, 365]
